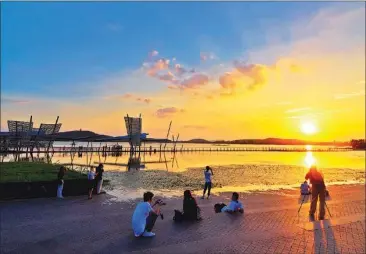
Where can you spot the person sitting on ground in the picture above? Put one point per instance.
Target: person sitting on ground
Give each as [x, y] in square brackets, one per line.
[91, 182]
[191, 211]
[305, 188]
[234, 205]
[318, 191]
[144, 216]
[60, 181]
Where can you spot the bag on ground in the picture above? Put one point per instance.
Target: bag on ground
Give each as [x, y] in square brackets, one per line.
[218, 207]
[178, 216]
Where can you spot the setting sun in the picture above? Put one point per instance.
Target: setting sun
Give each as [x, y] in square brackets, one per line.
[308, 128]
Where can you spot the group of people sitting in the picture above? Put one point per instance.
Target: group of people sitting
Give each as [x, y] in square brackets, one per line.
[146, 212]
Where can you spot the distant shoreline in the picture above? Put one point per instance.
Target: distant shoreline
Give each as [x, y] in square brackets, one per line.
[267, 141]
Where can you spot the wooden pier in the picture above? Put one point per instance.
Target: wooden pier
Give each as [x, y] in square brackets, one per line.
[126, 150]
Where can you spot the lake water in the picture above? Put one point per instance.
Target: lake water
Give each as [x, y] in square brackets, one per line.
[233, 171]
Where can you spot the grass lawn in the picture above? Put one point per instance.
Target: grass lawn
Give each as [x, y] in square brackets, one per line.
[33, 171]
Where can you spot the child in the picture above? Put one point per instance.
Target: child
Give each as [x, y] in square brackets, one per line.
[305, 188]
[91, 182]
[234, 206]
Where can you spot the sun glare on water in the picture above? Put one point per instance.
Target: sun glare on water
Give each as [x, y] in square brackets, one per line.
[308, 128]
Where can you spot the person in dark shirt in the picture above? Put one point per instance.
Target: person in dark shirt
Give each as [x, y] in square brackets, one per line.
[317, 190]
[60, 181]
[99, 178]
[191, 211]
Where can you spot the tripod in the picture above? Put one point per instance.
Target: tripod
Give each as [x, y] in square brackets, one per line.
[303, 199]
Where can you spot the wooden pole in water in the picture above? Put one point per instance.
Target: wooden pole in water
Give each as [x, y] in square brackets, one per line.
[167, 136]
[175, 144]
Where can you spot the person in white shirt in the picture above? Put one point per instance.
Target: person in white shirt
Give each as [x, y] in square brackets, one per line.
[234, 206]
[144, 216]
[91, 181]
[208, 182]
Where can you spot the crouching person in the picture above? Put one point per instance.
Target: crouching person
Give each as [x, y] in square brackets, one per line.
[144, 217]
[234, 206]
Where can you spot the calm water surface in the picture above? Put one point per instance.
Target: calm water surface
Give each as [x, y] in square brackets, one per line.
[241, 171]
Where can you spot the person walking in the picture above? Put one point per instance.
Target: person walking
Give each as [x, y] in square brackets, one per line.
[208, 183]
[317, 191]
[99, 178]
[60, 180]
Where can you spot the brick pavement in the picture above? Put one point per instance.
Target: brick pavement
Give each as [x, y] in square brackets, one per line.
[79, 226]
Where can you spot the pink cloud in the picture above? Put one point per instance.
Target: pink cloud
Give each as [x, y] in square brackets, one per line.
[127, 95]
[194, 81]
[167, 77]
[153, 53]
[164, 112]
[14, 101]
[204, 56]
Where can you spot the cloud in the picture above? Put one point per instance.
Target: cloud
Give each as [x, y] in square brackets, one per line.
[115, 27]
[146, 100]
[153, 53]
[175, 75]
[14, 101]
[349, 95]
[169, 111]
[243, 76]
[197, 127]
[195, 80]
[204, 56]
[295, 110]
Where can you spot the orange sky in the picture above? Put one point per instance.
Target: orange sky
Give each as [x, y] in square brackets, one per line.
[319, 79]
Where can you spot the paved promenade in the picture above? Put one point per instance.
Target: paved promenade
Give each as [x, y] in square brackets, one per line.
[270, 224]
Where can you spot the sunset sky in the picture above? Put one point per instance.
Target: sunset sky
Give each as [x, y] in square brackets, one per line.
[217, 70]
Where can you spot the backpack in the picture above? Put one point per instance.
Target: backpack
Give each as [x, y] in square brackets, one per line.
[218, 207]
[178, 216]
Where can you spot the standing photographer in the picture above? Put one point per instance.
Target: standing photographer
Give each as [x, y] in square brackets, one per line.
[144, 216]
[317, 190]
[208, 182]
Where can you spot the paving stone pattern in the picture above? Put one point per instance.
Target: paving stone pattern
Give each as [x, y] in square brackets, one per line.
[81, 226]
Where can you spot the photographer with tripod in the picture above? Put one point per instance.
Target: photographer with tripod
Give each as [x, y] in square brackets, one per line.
[144, 216]
[318, 190]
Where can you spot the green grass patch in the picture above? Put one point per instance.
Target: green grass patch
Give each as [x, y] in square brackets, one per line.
[33, 172]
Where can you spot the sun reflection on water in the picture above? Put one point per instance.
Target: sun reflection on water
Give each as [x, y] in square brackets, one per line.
[309, 159]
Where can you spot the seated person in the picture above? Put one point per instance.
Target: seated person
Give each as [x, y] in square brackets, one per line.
[305, 188]
[234, 205]
[191, 211]
[144, 216]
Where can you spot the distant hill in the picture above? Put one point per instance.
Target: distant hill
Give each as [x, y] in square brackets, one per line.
[267, 141]
[79, 134]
